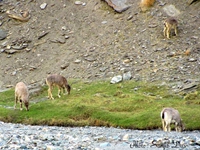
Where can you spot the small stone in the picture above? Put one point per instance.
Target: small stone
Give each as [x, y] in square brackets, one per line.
[64, 66]
[102, 69]
[66, 37]
[77, 61]
[126, 61]
[43, 6]
[14, 73]
[195, 37]
[10, 51]
[152, 25]
[83, 4]
[130, 17]
[64, 28]
[116, 79]
[90, 59]
[104, 22]
[192, 60]
[78, 2]
[125, 137]
[105, 144]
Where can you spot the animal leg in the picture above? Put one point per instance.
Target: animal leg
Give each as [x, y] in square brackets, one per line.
[16, 99]
[164, 31]
[64, 91]
[168, 128]
[50, 93]
[176, 32]
[163, 124]
[21, 105]
[165, 128]
[176, 128]
[59, 90]
[168, 33]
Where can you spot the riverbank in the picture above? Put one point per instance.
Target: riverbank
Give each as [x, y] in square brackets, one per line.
[19, 136]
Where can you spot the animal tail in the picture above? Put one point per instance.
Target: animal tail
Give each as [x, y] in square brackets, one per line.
[162, 115]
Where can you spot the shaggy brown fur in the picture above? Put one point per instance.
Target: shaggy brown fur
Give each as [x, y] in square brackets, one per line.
[171, 116]
[60, 82]
[21, 95]
[169, 24]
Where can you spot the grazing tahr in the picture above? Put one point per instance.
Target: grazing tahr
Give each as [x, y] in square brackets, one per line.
[60, 82]
[171, 116]
[169, 24]
[21, 95]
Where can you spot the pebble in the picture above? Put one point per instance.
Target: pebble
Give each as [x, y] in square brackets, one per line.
[19, 136]
[43, 6]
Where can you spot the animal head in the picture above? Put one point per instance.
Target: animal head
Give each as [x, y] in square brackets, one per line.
[26, 103]
[182, 125]
[68, 88]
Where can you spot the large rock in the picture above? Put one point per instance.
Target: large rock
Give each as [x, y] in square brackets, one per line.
[171, 10]
[127, 76]
[116, 79]
[118, 5]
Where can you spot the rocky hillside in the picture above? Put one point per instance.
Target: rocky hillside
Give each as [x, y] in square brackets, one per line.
[88, 39]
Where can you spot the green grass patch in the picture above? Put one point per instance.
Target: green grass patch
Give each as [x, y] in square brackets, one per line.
[130, 104]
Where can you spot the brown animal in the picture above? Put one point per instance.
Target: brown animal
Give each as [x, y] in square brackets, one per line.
[170, 24]
[60, 82]
[171, 116]
[146, 4]
[21, 95]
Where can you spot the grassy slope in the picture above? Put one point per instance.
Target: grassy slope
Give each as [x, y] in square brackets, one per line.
[128, 104]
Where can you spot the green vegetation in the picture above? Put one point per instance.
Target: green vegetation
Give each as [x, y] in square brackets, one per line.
[130, 104]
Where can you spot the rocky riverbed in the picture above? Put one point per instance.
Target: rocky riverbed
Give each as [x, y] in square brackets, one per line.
[19, 136]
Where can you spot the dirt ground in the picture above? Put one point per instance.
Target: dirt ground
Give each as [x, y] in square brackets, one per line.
[92, 41]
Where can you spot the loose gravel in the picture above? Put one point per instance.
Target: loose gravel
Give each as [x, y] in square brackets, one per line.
[24, 137]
